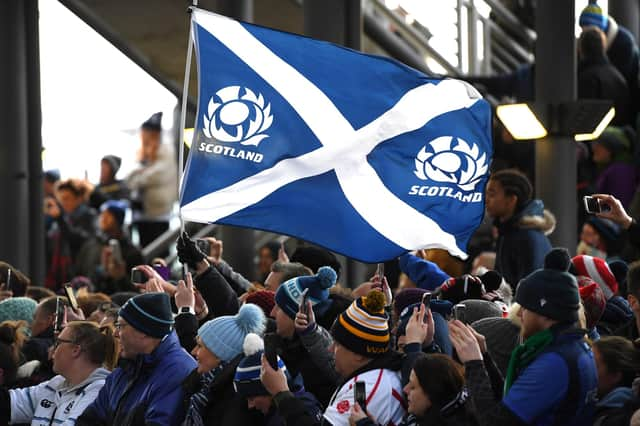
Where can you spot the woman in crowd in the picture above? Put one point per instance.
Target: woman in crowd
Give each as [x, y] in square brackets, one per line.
[211, 396]
[618, 363]
[81, 353]
[75, 223]
[436, 395]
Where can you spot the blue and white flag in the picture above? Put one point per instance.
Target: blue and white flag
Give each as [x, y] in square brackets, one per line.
[357, 153]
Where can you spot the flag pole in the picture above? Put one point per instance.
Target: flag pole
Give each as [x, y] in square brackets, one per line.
[183, 110]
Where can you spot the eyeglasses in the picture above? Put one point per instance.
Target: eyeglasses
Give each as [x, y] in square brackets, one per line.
[59, 341]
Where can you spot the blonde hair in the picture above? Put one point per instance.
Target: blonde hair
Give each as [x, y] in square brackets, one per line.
[98, 342]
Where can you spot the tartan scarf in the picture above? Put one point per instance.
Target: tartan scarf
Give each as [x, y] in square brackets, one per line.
[200, 399]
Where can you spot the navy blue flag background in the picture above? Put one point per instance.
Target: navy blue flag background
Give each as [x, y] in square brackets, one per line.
[357, 153]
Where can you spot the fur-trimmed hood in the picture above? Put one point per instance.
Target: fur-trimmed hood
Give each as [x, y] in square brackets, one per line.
[534, 216]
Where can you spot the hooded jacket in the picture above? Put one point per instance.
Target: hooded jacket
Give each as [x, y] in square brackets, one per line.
[54, 401]
[146, 390]
[523, 243]
[613, 407]
[156, 183]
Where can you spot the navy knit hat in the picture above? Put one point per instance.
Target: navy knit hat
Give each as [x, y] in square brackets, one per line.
[289, 294]
[117, 208]
[592, 16]
[224, 336]
[363, 328]
[247, 379]
[149, 313]
[551, 292]
[153, 123]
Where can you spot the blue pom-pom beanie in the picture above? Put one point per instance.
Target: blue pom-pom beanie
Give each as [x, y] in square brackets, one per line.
[225, 335]
[289, 294]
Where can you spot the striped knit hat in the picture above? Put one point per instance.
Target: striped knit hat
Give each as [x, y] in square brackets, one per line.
[363, 327]
[592, 16]
[247, 378]
[598, 270]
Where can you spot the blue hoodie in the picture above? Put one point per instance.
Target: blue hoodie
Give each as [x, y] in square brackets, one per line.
[145, 390]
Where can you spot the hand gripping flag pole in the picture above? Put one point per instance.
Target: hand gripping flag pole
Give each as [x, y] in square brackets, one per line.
[183, 110]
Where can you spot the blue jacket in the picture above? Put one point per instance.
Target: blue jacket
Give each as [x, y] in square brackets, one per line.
[144, 391]
[522, 244]
[559, 387]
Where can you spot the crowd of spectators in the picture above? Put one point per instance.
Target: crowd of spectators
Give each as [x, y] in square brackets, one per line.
[524, 334]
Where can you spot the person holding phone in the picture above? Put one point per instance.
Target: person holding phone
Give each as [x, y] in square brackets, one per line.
[362, 353]
[288, 299]
[552, 342]
[42, 334]
[82, 356]
[616, 212]
[250, 388]
[435, 395]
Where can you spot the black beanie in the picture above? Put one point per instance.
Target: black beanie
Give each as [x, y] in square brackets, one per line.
[149, 313]
[114, 162]
[551, 292]
[153, 123]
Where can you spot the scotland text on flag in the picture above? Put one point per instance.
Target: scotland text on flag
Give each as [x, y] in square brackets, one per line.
[359, 154]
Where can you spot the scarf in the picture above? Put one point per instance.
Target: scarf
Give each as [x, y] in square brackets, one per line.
[524, 354]
[200, 399]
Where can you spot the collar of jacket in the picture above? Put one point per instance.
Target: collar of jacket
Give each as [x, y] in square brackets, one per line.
[193, 382]
[97, 374]
[392, 360]
[532, 216]
[148, 361]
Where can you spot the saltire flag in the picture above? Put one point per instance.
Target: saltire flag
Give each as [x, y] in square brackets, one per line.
[356, 153]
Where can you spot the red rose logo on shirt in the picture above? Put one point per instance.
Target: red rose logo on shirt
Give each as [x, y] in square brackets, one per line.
[343, 406]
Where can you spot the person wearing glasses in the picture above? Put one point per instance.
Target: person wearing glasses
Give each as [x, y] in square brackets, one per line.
[81, 352]
[146, 388]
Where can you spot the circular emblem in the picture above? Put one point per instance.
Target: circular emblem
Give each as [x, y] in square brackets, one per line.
[451, 160]
[343, 406]
[236, 114]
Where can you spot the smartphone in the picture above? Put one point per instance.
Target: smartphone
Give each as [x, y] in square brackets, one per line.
[116, 252]
[7, 285]
[459, 312]
[204, 246]
[71, 297]
[380, 271]
[271, 342]
[360, 395]
[138, 276]
[57, 328]
[303, 302]
[592, 205]
[426, 300]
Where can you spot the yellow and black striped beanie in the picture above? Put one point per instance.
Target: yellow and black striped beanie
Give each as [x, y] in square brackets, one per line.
[363, 328]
